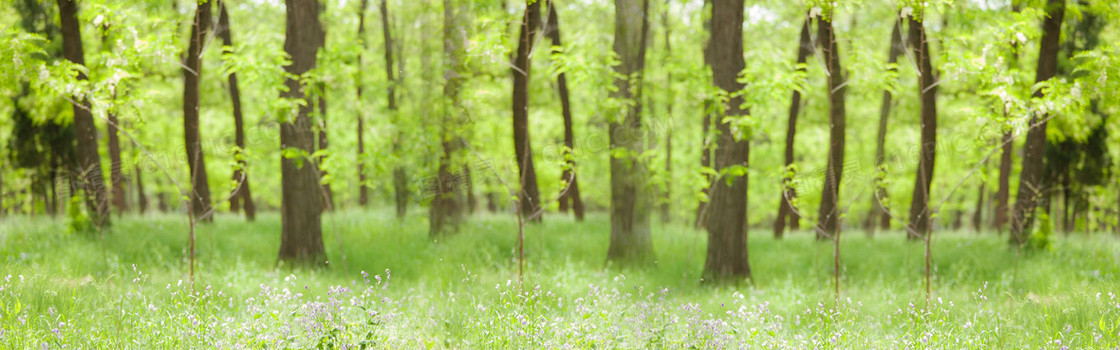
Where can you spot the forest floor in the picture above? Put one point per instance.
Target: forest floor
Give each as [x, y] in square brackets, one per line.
[390, 286]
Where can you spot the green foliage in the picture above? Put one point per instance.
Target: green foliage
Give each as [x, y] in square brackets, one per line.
[77, 221]
[1041, 238]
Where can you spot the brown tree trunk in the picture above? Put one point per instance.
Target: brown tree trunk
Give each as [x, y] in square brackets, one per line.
[927, 89]
[447, 202]
[552, 31]
[141, 198]
[727, 221]
[363, 190]
[1003, 192]
[115, 174]
[1031, 175]
[829, 213]
[630, 204]
[878, 217]
[192, 74]
[327, 194]
[400, 176]
[529, 198]
[243, 195]
[978, 214]
[301, 234]
[89, 162]
[785, 209]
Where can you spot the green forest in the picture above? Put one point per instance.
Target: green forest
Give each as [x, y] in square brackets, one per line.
[355, 174]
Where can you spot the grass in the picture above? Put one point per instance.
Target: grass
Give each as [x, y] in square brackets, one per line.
[398, 288]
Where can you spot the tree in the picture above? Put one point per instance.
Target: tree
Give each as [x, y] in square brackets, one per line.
[727, 221]
[1031, 175]
[630, 206]
[326, 194]
[927, 89]
[571, 193]
[830, 196]
[192, 74]
[141, 198]
[363, 189]
[301, 238]
[529, 197]
[878, 216]
[400, 176]
[89, 162]
[242, 194]
[785, 209]
[447, 205]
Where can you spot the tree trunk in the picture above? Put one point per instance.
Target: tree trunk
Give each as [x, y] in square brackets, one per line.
[447, 203]
[363, 189]
[727, 221]
[327, 194]
[830, 196]
[529, 198]
[920, 212]
[141, 198]
[301, 234]
[192, 74]
[785, 209]
[1003, 192]
[115, 174]
[243, 196]
[1030, 177]
[552, 31]
[630, 205]
[978, 214]
[89, 162]
[400, 177]
[878, 217]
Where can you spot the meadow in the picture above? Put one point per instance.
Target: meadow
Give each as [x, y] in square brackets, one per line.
[390, 286]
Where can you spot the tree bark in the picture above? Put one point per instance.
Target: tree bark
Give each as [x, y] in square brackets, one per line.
[785, 209]
[327, 194]
[141, 198]
[878, 217]
[727, 221]
[192, 74]
[830, 196]
[927, 89]
[363, 189]
[571, 195]
[400, 177]
[89, 162]
[978, 213]
[447, 202]
[301, 234]
[529, 198]
[115, 174]
[630, 242]
[1031, 175]
[243, 195]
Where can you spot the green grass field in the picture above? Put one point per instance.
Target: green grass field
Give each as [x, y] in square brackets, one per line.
[390, 286]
